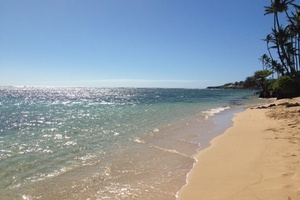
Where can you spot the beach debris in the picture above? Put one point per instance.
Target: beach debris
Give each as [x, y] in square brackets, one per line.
[286, 104]
[265, 107]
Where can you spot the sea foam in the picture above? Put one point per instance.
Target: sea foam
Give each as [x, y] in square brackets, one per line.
[214, 111]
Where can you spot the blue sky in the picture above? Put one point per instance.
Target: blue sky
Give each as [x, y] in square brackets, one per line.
[130, 43]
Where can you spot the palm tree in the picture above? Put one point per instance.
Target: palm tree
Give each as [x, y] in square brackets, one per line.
[277, 67]
[278, 38]
[285, 38]
[295, 31]
[261, 77]
[262, 59]
[268, 39]
[292, 45]
[283, 41]
[277, 6]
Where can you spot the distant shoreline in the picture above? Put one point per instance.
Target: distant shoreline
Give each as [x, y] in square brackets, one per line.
[231, 86]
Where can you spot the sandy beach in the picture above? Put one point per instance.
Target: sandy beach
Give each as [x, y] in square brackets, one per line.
[257, 158]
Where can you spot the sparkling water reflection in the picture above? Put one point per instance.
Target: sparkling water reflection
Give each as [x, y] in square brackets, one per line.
[102, 143]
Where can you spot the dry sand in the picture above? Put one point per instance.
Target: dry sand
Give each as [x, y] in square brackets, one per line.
[258, 158]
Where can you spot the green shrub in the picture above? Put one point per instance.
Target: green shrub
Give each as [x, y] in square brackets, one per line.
[286, 87]
[270, 84]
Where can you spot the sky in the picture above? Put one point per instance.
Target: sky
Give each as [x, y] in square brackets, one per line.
[131, 43]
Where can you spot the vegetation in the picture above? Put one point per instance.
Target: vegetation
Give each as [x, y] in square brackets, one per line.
[261, 81]
[235, 85]
[283, 45]
[283, 55]
[258, 81]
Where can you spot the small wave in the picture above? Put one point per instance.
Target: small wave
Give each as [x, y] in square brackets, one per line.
[70, 143]
[169, 150]
[155, 130]
[138, 140]
[26, 197]
[212, 112]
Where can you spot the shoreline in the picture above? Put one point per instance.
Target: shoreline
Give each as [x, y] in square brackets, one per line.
[150, 165]
[256, 158]
[184, 151]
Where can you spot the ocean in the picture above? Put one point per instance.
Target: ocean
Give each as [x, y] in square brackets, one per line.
[107, 143]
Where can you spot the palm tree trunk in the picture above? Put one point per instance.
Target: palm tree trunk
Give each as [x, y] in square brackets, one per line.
[276, 28]
[270, 54]
[298, 53]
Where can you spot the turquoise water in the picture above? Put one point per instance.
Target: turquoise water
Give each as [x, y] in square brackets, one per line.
[95, 143]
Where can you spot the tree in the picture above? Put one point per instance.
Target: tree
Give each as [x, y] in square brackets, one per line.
[284, 39]
[264, 60]
[268, 39]
[278, 6]
[250, 82]
[261, 77]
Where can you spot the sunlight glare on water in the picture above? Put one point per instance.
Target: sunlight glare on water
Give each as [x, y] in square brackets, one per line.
[120, 143]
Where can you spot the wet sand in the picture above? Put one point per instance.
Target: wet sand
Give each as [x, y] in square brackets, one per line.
[257, 158]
